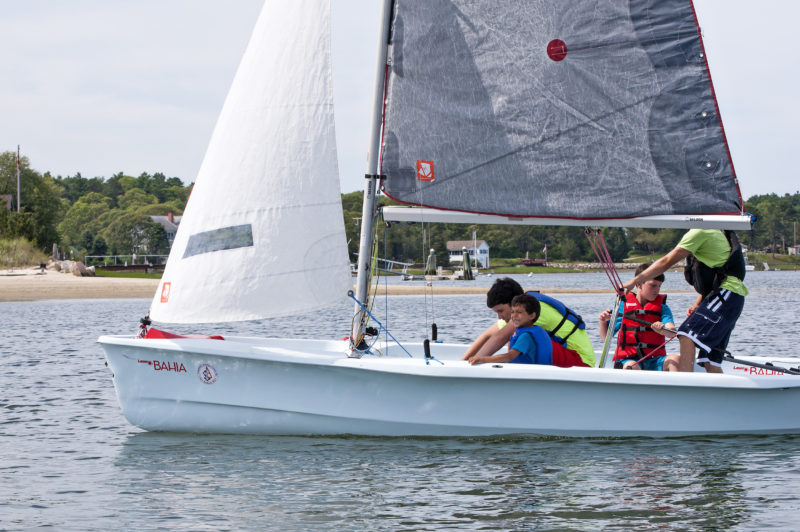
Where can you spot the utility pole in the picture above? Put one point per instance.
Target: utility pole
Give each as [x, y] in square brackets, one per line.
[18, 205]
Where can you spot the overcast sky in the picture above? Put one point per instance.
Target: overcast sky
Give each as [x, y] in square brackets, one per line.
[103, 86]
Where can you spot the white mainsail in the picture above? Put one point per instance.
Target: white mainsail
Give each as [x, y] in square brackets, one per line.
[245, 248]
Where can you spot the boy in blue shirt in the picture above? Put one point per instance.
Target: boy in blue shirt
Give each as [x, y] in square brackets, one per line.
[530, 343]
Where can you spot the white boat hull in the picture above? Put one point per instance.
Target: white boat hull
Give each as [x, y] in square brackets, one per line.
[275, 386]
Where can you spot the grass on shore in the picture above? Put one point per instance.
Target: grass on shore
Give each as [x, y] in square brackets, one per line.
[99, 272]
[19, 253]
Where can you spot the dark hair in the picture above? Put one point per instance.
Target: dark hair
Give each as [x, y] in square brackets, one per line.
[530, 303]
[642, 267]
[502, 292]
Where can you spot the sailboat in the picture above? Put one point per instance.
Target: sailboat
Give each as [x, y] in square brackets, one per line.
[535, 112]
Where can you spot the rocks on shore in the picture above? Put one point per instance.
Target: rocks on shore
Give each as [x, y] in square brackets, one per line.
[76, 268]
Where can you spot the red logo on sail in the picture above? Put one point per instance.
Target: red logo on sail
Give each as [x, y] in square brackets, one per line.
[424, 170]
[165, 292]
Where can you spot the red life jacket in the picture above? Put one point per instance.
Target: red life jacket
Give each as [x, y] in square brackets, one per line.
[635, 339]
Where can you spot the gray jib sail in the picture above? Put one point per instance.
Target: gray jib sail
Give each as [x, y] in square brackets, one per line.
[484, 98]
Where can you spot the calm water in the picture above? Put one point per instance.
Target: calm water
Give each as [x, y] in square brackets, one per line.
[69, 460]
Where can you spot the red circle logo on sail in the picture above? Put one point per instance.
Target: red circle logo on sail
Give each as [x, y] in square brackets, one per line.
[557, 49]
[424, 170]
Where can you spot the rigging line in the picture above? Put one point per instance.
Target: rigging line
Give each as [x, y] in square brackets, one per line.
[371, 290]
[353, 297]
[420, 195]
[610, 332]
[616, 285]
[610, 260]
[653, 352]
[386, 277]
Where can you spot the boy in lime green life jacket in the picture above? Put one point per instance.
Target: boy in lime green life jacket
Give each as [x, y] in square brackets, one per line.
[530, 344]
[563, 324]
[644, 319]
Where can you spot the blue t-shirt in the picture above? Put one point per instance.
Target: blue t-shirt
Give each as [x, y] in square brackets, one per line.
[666, 315]
[527, 349]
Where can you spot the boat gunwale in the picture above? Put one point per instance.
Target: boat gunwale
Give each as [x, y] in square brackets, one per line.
[416, 366]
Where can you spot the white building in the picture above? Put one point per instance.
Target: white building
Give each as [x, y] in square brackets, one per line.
[481, 250]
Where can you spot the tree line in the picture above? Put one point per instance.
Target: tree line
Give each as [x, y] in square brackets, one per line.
[89, 216]
[111, 216]
[777, 219]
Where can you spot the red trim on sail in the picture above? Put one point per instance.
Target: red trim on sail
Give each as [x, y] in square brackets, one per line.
[158, 334]
[716, 105]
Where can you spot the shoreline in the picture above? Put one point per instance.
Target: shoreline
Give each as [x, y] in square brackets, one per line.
[31, 285]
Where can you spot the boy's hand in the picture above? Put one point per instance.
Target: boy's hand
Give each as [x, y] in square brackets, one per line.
[691, 309]
[477, 360]
[605, 315]
[660, 328]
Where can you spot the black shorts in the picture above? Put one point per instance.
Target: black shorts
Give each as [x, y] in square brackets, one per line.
[710, 326]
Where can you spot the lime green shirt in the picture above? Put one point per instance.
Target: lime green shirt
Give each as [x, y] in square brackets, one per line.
[710, 247]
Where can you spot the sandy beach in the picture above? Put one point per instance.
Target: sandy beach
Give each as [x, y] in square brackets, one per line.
[31, 285]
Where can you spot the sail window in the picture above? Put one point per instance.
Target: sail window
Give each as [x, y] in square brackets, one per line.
[237, 236]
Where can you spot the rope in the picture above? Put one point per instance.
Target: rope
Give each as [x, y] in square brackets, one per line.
[386, 277]
[354, 298]
[600, 249]
[653, 352]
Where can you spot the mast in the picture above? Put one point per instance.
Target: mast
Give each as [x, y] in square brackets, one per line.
[18, 204]
[370, 205]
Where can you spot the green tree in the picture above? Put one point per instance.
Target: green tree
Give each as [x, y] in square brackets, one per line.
[127, 233]
[99, 246]
[617, 243]
[135, 198]
[157, 240]
[85, 215]
[86, 241]
[39, 201]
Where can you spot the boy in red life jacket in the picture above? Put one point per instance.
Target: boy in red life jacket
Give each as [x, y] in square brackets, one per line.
[530, 344]
[644, 319]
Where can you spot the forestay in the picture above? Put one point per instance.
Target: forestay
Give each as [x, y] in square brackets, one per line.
[245, 248]
[576, 109]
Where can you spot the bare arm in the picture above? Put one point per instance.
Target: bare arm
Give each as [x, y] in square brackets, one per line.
[658, 267]
[502, 357]
[497, 340]
[478, 343]
[605, 317]
[666, 329]
[694, 306]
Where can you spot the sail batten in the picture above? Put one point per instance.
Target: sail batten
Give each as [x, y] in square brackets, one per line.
[263, 232]
[572, 110]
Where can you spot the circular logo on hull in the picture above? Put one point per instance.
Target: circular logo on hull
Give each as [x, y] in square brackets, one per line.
[207, 374]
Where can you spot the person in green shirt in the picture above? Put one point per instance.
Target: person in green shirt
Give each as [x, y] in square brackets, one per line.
[717, 277]
[569, 331]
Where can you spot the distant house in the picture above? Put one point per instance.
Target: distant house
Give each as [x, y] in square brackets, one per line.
[793, 250]
[170, 224]
[481, 249]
